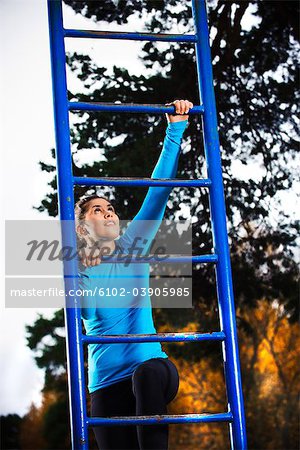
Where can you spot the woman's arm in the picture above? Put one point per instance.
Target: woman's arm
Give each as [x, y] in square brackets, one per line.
[156, 199]
[146, 222]
[87, 300]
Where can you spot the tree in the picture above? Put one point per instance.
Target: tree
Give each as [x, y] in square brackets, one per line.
[269, 355]
[46, 339]
[32, 421]
[257, 90]
[258, 126]
[10, 431]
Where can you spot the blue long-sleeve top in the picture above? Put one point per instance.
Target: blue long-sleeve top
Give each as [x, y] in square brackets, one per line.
[109, 314]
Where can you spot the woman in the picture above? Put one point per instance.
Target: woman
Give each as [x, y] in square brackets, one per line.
[127, 379]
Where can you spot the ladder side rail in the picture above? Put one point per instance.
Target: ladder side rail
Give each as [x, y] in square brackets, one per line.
[219, 228]
[75, 364]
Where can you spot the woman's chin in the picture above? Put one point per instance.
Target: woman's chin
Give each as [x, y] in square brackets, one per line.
[110, 236]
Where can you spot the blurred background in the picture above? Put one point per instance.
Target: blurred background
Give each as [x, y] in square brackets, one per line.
[255, 55]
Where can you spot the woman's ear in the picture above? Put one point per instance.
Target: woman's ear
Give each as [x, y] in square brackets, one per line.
[81, 230]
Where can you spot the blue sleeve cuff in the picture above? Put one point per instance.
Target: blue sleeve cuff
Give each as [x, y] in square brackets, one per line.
[181, 125]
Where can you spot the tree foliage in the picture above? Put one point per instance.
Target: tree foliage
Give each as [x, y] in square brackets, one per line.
[256, 81]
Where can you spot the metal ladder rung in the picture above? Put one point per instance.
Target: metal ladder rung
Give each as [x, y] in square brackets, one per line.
[128, 107]
[152, 258]
[159, 419]
[158, 337]
[95, 34]
[132, 181]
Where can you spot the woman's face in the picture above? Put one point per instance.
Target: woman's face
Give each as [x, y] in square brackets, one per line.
[101, 219]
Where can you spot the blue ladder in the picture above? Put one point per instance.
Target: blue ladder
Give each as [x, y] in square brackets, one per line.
[66, 181]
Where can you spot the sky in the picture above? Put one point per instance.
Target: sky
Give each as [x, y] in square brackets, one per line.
[27, 135]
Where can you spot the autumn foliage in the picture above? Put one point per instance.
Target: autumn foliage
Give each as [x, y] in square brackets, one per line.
[270, 377]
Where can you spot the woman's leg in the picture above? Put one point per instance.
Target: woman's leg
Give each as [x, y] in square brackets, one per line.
[115, 400]
[155, 383]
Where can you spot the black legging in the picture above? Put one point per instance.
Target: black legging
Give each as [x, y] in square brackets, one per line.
[153, 384]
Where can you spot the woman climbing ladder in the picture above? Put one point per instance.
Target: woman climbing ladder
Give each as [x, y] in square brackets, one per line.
[127, 379]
